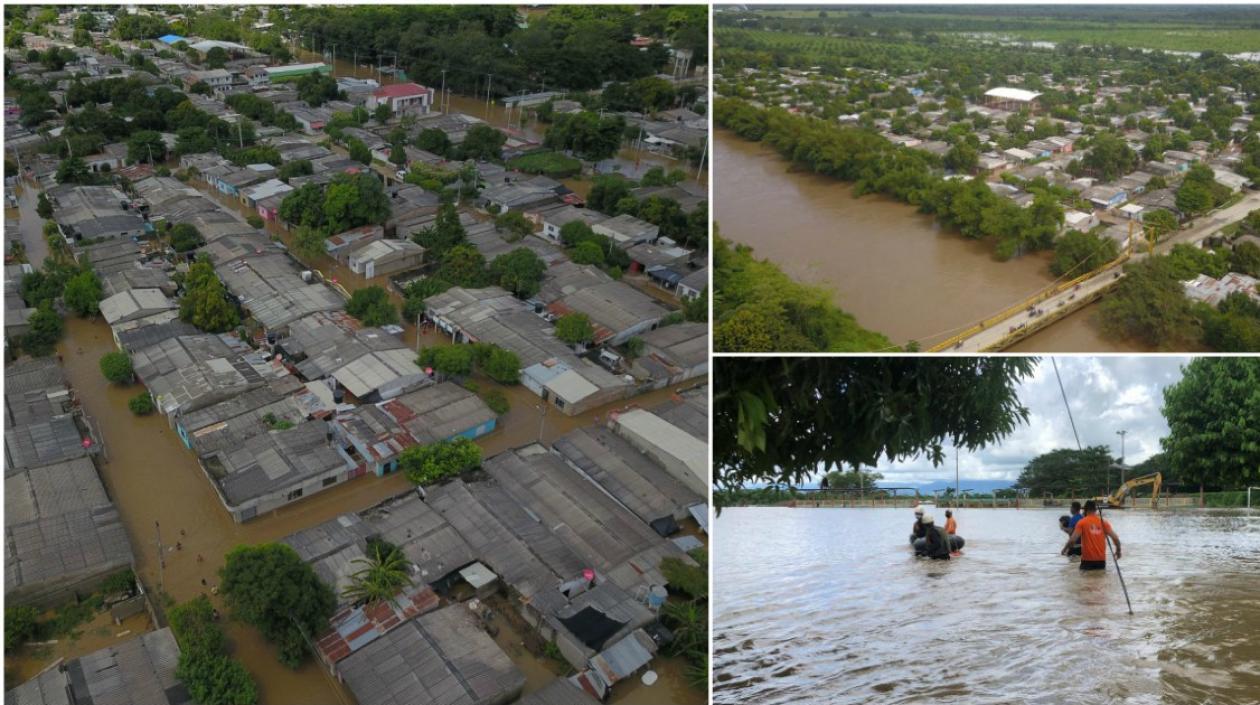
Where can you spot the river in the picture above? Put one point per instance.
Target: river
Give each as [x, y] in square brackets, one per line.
[152, 477]
[890, 266]
[830, 605]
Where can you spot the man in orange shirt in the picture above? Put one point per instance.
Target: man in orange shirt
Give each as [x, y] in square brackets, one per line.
[951, 524]
[1093, 533]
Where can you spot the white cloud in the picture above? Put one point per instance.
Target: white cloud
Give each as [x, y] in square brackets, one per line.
[1106, 393]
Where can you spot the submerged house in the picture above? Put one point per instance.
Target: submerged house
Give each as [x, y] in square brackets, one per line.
[269, 470]
[441, 412]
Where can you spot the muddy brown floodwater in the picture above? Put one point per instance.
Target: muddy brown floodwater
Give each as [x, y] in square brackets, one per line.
[155, 481]
[830, 605]
[890, 266]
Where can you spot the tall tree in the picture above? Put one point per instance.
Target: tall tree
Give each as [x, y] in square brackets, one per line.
[1213, 436]
[783, 419]
[270, 587]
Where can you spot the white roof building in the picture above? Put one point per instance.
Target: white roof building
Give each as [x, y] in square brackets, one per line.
[1018, 94]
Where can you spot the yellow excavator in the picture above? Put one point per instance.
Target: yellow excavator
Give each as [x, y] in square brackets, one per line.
[1116, 499]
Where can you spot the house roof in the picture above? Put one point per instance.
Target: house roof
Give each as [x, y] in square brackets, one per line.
[439, 412]
[192, 371]
[378, 369]
[442, 657]
[42, 442]
[270, 462]
[400, 90]
[637, 481]
[1012, 94]
[134, 303]
[139, 671]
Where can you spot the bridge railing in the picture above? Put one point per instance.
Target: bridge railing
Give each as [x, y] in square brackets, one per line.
[1017, 308]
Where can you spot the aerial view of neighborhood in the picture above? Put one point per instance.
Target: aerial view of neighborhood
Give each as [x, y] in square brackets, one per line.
[359, 354]
[985, 178]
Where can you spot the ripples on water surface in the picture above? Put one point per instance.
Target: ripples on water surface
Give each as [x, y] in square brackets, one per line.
[829, 605]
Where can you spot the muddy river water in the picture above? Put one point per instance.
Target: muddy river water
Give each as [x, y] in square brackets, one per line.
[890, 266]
[830, 605]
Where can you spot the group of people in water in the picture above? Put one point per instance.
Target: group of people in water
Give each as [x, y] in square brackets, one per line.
[1087, 536]
[1086, 529]
[934, 541]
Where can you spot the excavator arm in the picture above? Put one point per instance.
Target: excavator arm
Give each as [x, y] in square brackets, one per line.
[1156, 480]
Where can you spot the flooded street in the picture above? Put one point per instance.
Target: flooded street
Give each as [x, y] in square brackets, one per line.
[155, 481]
[830, 605]
[890, 266]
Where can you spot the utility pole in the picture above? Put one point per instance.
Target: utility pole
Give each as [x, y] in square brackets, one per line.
[334, 60]
[161, 557]
[703, 154]
[1122, 433]
[418, 314]
[542, 419]
[956, 484]
[442, 96]
[240, 132]
[489, 77]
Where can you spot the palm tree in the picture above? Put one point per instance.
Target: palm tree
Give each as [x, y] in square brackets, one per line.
[381, 577]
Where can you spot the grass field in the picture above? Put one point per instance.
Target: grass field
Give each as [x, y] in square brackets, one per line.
[1107, 26]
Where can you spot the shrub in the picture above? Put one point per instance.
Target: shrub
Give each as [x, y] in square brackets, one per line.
[552, 164]
[116, 366]
[448, 360]
[20, 623]
[372, 306]
[141, 404]
[255, 221]
[497, 401]
[574, 328]
[425, 465]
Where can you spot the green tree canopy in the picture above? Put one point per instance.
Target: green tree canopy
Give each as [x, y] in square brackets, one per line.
[482, 142]
[1077, 253]
[45, 329]
[1211, 412]
[1069, 472]
[519, 271]
[83, 293]
[427, 464]
[270, 587]
[185, 237]
[575, 328]
[372, 306]
[116, 366]
[205, 303]
[448, 360]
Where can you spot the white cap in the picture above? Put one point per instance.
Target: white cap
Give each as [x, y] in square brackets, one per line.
[918, 510]
[927, 519]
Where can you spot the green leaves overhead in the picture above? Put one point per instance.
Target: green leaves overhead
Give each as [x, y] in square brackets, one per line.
[783, 419]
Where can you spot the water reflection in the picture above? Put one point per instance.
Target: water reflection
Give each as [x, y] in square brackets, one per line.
[829, 605]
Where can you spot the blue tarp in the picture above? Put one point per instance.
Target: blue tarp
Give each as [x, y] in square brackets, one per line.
[171, 39]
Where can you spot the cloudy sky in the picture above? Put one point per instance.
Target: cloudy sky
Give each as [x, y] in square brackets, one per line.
[1107, 394]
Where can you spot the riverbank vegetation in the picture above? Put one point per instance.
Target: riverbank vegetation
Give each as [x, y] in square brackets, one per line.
[758, 308]
[469, 42]
[875, 165]
[1150, 305]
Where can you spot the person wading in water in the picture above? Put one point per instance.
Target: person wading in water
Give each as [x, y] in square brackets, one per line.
[1092, 532]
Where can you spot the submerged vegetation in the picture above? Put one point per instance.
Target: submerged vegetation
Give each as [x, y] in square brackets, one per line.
[758, 308]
